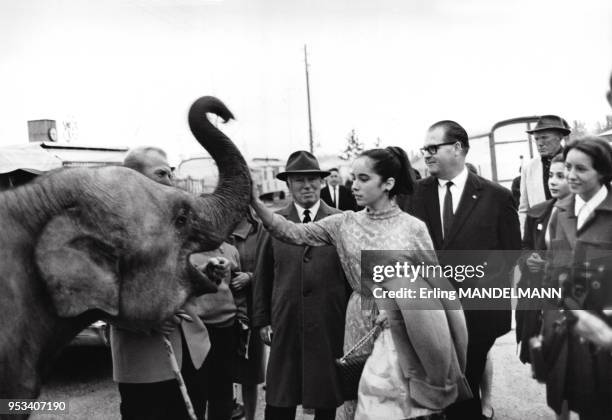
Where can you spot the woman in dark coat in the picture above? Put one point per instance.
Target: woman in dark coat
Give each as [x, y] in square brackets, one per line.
[582, 228]
[536, 238]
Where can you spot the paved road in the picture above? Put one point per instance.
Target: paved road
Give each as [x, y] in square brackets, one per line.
[83, 376]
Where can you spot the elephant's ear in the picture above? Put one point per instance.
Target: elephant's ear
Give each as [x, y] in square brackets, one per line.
[79, 269]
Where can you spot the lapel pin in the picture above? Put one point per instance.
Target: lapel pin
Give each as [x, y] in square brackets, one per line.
[540, 227]
[474, 197]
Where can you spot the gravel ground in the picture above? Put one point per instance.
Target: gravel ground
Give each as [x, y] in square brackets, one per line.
[83, 376]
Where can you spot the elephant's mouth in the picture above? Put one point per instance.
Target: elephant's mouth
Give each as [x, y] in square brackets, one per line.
[200, 281]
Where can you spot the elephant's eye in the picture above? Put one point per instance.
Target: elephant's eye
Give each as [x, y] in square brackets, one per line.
[182, 218]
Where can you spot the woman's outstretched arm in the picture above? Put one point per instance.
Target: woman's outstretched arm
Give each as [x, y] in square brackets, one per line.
[319, 233]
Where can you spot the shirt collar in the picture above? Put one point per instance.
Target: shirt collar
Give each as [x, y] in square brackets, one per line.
[592, 204]
[459, 181]
[313, 210]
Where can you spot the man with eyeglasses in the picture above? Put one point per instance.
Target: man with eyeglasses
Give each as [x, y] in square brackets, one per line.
[465, 212]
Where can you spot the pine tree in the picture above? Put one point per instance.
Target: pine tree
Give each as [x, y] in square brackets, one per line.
[354, 147]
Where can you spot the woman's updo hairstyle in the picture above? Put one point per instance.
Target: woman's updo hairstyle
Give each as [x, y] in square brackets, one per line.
[600, 153]
[392, 162]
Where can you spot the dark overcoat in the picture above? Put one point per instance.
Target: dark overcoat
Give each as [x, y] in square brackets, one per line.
[528, 313]
[580, 374]
[301, 291]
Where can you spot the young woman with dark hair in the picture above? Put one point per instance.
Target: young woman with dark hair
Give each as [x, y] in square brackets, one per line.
[581, 232]
[378, 176]
[536, 240]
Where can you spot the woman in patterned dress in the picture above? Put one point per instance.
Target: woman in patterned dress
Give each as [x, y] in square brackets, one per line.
[378, 175]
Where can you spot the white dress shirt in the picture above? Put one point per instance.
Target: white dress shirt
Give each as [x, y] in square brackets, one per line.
[456, 191]
[313, 210]
[584, 209]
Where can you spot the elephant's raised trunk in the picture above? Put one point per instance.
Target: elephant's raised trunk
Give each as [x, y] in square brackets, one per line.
[229, 202]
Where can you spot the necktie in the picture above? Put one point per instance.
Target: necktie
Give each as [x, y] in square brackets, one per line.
[306, 218]
[334, 199]
[447, 214]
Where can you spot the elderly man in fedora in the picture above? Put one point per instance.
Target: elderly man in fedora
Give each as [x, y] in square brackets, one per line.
[548, 133]
[300, 299]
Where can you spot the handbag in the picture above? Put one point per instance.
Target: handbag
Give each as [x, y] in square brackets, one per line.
[349, 367]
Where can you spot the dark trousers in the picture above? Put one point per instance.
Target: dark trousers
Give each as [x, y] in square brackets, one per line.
[477, 350]
[216, 373]
[163, 400]
[288, 413]
[601, 416]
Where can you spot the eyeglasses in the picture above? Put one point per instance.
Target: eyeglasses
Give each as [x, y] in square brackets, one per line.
[433, 149]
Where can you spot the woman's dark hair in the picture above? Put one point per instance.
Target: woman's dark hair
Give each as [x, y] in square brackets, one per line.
[558, 158]
[392, 162]
[600, 153]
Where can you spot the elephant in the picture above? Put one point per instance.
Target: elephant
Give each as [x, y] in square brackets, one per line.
[82, 244]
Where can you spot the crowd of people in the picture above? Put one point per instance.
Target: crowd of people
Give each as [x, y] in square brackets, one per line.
[292, 280]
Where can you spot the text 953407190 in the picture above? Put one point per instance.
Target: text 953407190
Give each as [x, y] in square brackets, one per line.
[28, 406]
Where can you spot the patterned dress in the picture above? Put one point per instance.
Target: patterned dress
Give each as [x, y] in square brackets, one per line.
[350, 233]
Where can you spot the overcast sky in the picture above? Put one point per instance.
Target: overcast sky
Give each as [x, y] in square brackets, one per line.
[127, 71]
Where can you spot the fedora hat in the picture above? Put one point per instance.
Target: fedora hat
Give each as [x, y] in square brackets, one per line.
[551, 122]
[301, 162]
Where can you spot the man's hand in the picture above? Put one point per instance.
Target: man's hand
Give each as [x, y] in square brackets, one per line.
[240, 281]
[217, 269]
[535, 263]
[169, 325]
[593, 329]
[266, 334]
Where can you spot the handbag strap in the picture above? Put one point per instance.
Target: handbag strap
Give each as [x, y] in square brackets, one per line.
[360, 343]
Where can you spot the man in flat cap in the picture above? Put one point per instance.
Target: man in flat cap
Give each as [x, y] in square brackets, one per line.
[548, 133]
[300, 299]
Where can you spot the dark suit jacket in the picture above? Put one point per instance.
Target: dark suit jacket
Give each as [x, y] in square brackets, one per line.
[301, 292]
[485, 220]
[347, 201]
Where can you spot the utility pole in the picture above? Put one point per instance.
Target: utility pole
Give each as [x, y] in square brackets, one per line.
[308, 99]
